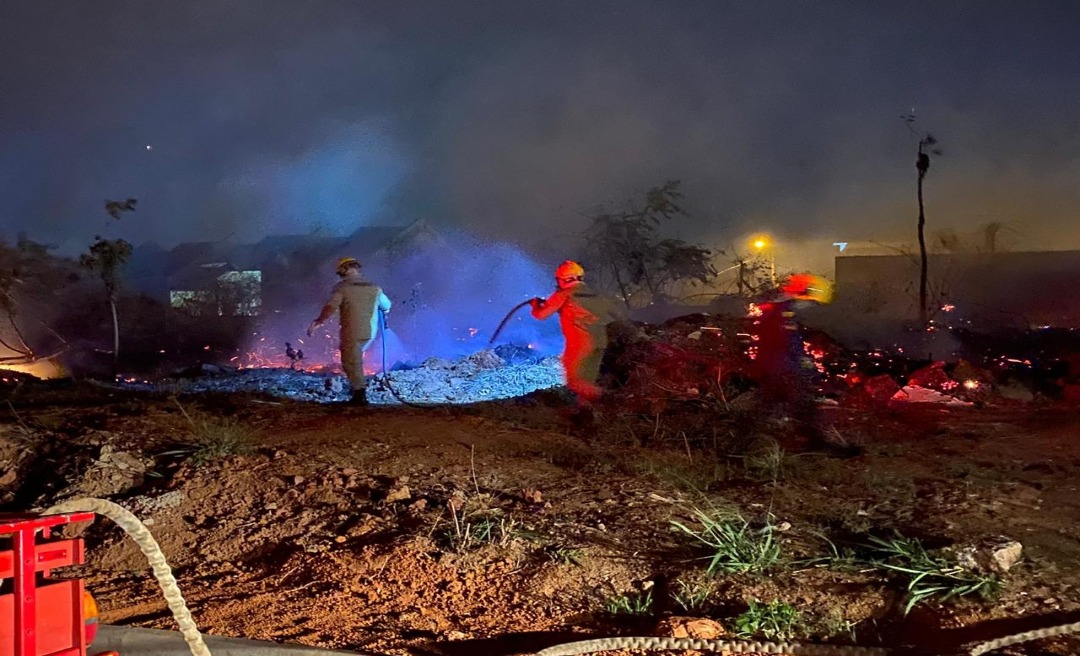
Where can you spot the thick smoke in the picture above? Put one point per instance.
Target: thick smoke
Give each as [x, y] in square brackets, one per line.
[448, 298]
[508, 120]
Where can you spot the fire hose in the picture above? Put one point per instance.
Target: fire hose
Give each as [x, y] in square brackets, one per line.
[386, 374]
[138, 532]
[175, 600]
[506, 320]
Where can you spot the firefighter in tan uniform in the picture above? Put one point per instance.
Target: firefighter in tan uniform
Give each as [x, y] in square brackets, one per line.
[358, 304]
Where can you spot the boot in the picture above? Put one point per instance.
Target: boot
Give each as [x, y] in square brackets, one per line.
[359, 398]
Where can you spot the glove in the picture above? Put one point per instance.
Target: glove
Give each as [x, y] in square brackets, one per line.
[313, 327]
[536, 303]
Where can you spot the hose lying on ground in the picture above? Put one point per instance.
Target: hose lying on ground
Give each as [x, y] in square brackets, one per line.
[600, 645]
[142, 537]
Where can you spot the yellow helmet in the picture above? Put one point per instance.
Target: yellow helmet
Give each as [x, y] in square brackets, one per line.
[346, 262]
[569, 270]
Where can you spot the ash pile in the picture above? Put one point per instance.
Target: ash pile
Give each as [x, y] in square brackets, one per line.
[489, 375]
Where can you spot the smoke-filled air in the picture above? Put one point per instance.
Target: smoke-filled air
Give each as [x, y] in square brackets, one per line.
[537, 328]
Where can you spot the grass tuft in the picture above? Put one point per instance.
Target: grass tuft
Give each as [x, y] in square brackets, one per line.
[929, 576]
[735, 546]
[775, 620]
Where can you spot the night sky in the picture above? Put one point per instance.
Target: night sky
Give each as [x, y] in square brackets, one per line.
[512, 119]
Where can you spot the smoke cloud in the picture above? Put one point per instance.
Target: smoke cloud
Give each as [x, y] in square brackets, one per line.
[511, 120]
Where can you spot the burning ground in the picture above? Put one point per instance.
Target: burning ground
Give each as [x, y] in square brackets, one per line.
[494, 528]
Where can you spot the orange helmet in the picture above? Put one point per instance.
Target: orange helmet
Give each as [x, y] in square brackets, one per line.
[344, 264]
[569, 271]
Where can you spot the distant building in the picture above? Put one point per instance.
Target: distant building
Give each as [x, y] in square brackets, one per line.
[270, 276]
[1023, 289]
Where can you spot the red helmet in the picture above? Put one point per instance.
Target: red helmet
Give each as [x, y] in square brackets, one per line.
[569, 271]
[807, 287]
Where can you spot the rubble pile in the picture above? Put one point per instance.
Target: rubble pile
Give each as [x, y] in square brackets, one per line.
[482, 376]
[705, 356]
[697, 357]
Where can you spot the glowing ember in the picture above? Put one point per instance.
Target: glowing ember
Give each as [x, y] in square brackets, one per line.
[948, 307]
[971, 384]
[754, 310]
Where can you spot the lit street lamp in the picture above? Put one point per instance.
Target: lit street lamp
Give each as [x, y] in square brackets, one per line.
[761, 244]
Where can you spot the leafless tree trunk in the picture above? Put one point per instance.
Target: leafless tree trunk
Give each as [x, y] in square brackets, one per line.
[924, 268]
[116, 337]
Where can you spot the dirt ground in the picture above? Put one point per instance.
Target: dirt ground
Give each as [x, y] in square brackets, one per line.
[500, 530]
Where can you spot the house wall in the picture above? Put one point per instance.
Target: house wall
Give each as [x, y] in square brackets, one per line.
[1014, 289]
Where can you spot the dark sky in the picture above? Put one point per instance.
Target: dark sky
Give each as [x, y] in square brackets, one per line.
[512, 118]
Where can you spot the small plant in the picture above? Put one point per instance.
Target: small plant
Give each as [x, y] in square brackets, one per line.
[835, 624]
[775, 620]
[468, 531]
[736, 546]
[565, 555]
[692, 596]
[637, 604]
[852, 441]
[769, 462]
[217, 438]
[929, 576]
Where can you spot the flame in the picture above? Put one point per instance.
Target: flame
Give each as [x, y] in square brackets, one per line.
[971, 384]
[44, 369]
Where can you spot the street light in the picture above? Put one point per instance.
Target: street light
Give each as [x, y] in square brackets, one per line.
[761, 243]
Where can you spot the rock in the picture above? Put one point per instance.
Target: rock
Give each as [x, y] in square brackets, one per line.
[334, 385]
[532, 495]
[914, 394]
[436, 363]
[995, 555]
[933, 377]
[874, 390]
[419, 505]
[745, 402]
[297, 480]
[348, 471]
[1016, 392]
[689, 627]
[9, 477]
[485, 360]
[279, 454]
[399, 494]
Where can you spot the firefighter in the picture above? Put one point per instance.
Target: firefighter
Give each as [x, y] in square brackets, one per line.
[784, 370]
[584, 317]
[358, 303]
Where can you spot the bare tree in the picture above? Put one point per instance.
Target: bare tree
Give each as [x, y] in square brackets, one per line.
[629, 253]
[107, 258]
[927, 144]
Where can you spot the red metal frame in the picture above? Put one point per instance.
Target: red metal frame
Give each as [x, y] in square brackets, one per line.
[41, 618]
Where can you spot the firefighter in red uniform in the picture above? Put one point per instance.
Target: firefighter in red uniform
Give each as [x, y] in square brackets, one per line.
[584, 317]
[783, 369]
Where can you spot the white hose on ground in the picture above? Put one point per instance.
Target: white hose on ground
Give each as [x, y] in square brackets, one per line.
[149, 546]
[600, 645]
[142, 537]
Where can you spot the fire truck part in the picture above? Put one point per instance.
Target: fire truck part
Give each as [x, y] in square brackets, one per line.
[138, 532]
